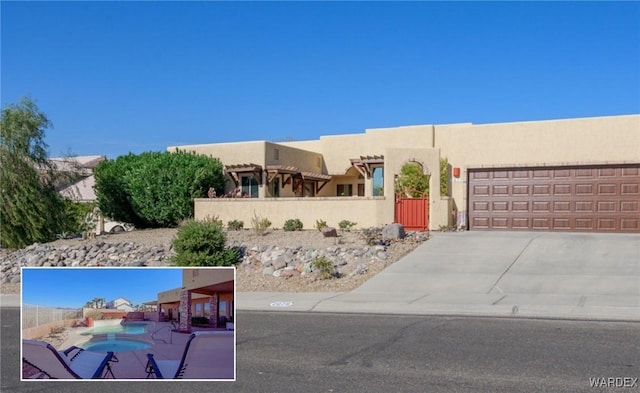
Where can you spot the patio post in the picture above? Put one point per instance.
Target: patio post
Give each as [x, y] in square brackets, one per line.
[213, 308]
[185, 311]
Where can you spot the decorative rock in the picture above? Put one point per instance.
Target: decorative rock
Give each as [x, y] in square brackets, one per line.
[269, 260]
[361, 269]
[289, 273]
[279, 263]
[329, 232]
[393, 231]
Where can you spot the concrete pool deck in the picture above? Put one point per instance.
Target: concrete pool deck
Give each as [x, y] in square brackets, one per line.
[218, 361]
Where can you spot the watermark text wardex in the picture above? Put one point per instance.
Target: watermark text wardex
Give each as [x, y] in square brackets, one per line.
[613, 382]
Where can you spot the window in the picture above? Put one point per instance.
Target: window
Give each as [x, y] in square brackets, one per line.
[345, 190]
[222, 309]
[378, 181]
[361, 189]
[274, 188]
[198, 312]
[276, 154]
[207, 309]
[249, 186]
[309, 189]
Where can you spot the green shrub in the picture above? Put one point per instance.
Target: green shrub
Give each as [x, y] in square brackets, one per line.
[293, 224]
[235, 225]
[412, 180]
[259, 224]
[324, 267]
[79, 217]
[202, 243]
[444, 177]
[320, 224]
[155, 189]
[346, 225]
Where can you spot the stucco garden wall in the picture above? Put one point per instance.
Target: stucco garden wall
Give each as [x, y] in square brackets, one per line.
[366, 212]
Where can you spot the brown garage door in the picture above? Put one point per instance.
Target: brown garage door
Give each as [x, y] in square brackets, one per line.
[603, 198]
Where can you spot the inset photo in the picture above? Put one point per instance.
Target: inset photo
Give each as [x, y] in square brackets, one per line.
[134, 324]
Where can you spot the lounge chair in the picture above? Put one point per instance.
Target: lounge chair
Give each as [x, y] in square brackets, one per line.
[206, 355]
[72, 363]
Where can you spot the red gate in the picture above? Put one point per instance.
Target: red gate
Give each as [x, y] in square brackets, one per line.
[413, 213]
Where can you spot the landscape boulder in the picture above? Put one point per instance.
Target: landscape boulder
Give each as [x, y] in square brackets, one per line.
[329, 232]
[393, 232]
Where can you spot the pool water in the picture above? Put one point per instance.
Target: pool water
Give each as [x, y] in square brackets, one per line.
[130, 328]
[115, 345]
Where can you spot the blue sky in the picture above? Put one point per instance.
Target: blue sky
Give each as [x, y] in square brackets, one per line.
[119, 77]
[73, 287]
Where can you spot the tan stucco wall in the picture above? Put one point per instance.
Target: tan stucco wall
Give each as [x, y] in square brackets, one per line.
[230, 154]
[597, 140]
[337, 150]
[196, 278]
[304, 160]
[366, 212]
[173, 295]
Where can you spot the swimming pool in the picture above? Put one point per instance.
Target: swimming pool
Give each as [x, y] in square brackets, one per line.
[115, 344]
[128, 328]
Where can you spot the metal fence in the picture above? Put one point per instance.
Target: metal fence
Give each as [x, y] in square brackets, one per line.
[33, 316]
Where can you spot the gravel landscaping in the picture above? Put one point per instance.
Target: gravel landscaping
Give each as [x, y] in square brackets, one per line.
[278, 261]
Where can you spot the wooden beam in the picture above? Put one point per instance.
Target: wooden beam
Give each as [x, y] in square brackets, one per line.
[360, 169]
[235, 178]
[320, 188]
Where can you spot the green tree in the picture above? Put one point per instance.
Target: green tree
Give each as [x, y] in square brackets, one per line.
[444, 177]
[31, 210]
[412, 180]
[155, 189]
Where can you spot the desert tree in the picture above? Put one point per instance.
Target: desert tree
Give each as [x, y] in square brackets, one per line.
[31, 210]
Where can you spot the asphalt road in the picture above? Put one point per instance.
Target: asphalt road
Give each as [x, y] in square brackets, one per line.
[311, 352]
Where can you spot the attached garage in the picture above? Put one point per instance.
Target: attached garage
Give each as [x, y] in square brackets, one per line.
[593, 198]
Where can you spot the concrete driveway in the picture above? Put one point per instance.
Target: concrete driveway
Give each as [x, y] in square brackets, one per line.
[519, 274]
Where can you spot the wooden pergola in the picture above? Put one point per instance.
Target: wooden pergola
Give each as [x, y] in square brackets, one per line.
[365, 164]
[320, 180]
[235, 170]
[288, 174]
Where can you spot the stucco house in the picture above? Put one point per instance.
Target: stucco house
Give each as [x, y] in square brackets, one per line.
[81, 188]
[120, 304]
[555, 175]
